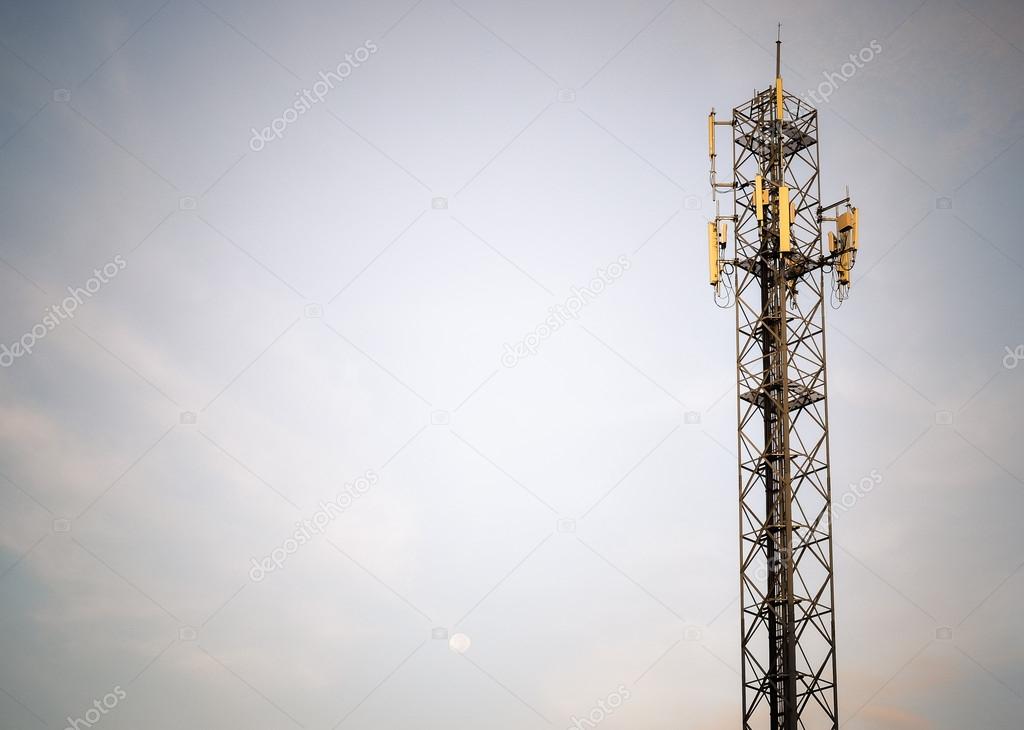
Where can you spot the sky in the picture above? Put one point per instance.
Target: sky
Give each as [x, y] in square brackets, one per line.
[288, 439]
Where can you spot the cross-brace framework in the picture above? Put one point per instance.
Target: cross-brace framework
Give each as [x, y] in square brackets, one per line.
[778, 282]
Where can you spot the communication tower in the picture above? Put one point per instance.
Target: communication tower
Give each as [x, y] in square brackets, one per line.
[776, 282]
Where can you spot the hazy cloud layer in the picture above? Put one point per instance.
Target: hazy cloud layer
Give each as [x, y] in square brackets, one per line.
[337, 300]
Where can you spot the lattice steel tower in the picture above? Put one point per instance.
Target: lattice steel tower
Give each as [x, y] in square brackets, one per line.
[776, 282]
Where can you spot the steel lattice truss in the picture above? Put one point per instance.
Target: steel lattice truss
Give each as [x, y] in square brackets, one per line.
[788, 625]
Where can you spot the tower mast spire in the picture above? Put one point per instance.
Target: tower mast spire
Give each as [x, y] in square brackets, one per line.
[778, 54]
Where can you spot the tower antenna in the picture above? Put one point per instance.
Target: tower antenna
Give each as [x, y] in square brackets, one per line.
[778, 53]
[787, 596]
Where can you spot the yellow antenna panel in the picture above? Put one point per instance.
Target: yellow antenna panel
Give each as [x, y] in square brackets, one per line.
[711, 134]
[785, 220]
[713, 254]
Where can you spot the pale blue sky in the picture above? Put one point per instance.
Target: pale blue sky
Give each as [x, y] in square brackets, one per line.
[339, 300]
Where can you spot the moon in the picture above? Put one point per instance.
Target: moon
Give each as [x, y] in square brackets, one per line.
[459, 643]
